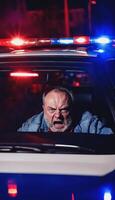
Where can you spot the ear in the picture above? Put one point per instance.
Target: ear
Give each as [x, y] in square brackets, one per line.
[43, 106]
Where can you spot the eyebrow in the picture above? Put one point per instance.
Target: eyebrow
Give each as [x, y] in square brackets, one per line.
[51, 107]
[66, 107]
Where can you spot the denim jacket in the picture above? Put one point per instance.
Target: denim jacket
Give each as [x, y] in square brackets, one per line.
[88, 124]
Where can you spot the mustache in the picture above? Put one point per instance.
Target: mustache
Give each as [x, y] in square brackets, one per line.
[58, 122]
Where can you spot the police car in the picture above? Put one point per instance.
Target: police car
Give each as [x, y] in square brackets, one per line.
[53, 165]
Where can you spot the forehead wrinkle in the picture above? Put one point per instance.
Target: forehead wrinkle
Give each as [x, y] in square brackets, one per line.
[56, 99]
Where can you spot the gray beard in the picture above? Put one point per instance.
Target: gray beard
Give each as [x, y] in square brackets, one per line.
[67, 125]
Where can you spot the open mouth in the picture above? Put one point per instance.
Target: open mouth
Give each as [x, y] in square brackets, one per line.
[58, 124]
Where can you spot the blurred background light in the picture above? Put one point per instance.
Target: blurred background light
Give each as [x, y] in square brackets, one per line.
[107, 196]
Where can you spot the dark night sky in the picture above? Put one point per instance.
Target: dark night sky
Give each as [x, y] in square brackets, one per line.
[46, 3]
[103, 13]
[103, 16]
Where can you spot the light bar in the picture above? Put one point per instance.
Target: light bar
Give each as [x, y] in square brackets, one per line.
[81, 40]
[18, 41]
[23, 74]
[63, 41]
[44, 41]
[102, 40]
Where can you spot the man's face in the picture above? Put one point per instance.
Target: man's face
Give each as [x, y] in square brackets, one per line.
[57, 111]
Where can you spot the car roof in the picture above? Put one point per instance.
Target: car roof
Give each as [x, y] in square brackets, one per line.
[79, 52]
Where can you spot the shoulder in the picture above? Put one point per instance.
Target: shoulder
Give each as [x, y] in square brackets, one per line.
[32, 124]
[87, 116]
[90, 123]
[84, 122]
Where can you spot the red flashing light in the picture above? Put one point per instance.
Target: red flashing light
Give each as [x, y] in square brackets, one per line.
[18, 41]
[93, 2]
[12, 189]
[72, 196]
[44, 41]
[23, 74]
[76, 84]
[81, 40]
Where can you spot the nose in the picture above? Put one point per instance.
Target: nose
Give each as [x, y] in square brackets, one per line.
[58, 113]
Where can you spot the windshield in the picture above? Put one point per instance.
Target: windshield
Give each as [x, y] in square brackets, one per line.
[61, 99]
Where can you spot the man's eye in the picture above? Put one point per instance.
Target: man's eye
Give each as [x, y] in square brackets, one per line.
[51, 110]
[65, 110]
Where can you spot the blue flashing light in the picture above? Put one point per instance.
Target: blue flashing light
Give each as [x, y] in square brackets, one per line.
[103, 40]
[64, 41]
[107, 196]
[100, 50]
[54, 41]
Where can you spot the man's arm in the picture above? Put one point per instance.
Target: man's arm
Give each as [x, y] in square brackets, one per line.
[33, 124]
[91, 124]
[30, 125]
